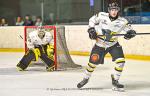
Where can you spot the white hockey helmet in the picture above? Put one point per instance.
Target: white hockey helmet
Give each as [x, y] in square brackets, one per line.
[41, 31]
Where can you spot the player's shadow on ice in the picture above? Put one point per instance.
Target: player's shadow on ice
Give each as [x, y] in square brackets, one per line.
[94, 88]
[73, 89]
[138, 85]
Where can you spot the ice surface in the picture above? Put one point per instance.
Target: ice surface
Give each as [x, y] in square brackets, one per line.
[37, 82]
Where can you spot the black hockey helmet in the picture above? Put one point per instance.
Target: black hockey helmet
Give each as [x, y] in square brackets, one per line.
[113, 5]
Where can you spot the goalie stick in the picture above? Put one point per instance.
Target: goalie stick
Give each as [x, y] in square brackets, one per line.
[21, 37]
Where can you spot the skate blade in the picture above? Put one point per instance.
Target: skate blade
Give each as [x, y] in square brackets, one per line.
[118, 89]
[79, 86]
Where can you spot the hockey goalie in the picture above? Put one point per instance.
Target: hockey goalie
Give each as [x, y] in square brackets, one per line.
[40, 45]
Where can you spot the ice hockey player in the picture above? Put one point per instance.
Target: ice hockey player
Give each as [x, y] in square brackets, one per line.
[40, 45]
[108, 24]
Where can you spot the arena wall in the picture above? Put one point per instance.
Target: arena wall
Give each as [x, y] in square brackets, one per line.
[77, 39]
[9, 37]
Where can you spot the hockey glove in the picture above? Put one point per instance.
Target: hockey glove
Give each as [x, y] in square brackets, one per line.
[130, 34]
[92, 33]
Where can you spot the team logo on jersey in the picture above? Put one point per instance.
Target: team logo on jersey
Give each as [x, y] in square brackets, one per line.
[95, 57]
[117, 22]
[117, 25]
[104, 22]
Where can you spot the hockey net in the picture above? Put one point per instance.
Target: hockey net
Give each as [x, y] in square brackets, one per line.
[62, 58]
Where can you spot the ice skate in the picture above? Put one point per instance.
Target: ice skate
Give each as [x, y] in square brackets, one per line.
[116, 85]
[82, 83]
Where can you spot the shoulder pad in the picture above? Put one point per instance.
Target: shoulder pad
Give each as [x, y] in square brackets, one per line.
[33, 33]
[103, 14]
[47, 33]
[123, 20]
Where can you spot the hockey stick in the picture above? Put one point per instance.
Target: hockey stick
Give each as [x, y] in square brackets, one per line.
[21, 37]
[124, 34]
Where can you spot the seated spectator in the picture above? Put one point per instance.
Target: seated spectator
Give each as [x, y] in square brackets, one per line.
[28, 21]
[3, 22]
[19, 21]
[38, 21]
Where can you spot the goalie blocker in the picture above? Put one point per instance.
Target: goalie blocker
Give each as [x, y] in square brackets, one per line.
[45, 52]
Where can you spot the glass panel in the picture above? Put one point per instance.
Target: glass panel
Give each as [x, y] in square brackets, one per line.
[131, 9]
[145, 14]
[69, 11]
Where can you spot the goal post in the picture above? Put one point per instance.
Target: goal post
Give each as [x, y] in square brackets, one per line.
[62, 58]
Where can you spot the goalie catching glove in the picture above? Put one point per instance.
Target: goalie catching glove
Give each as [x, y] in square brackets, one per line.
[130, 34]
[92, 33]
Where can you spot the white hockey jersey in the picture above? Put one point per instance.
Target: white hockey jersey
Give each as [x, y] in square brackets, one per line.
[102, 21]
[33, 39]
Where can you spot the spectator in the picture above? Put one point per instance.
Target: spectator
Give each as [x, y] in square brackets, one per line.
[51, 16]
[28, 21]
[19, 21]
[38, 21]
[34, 19]
[3, 22]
